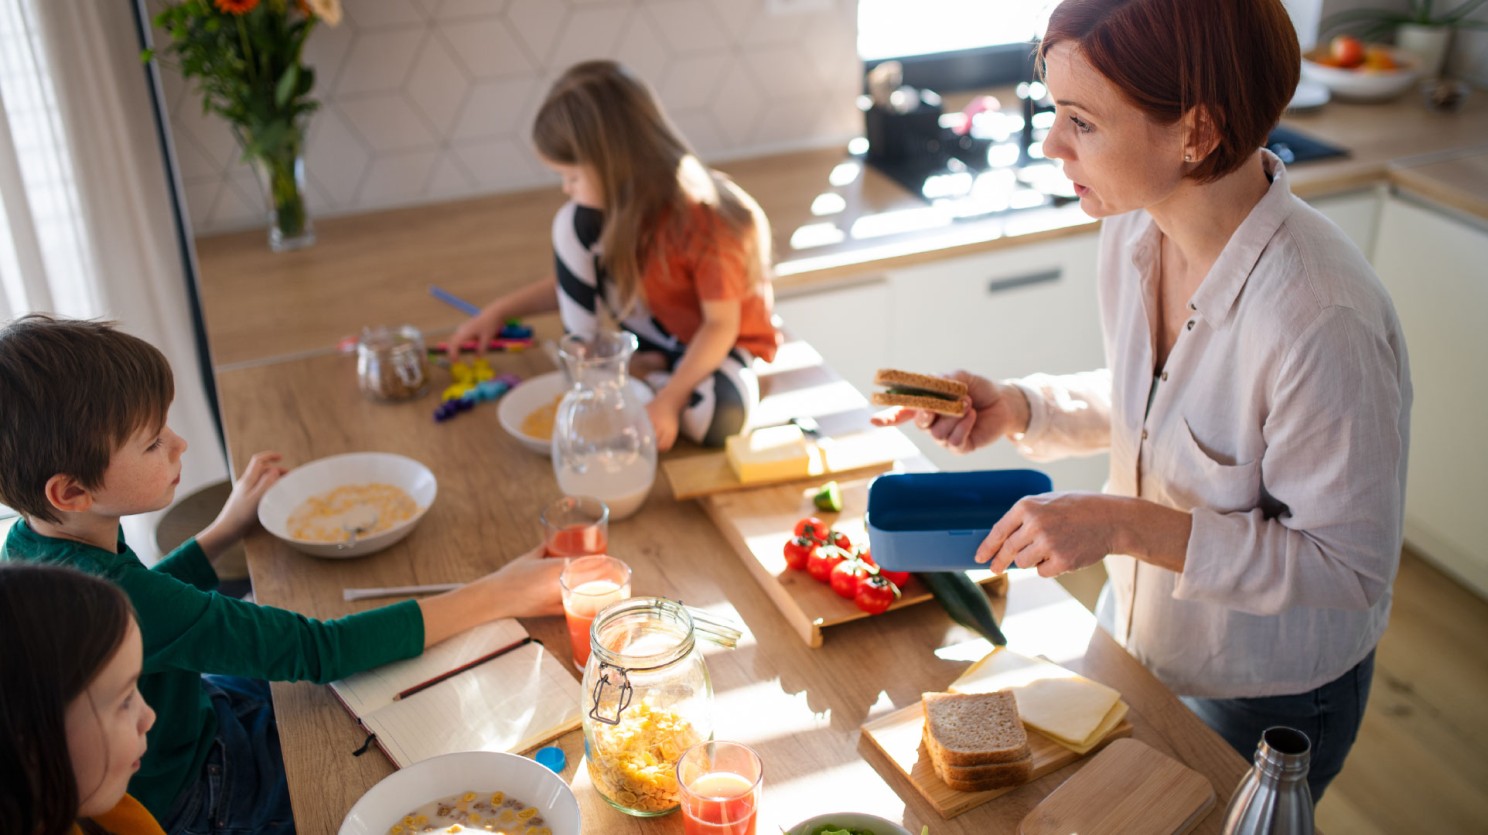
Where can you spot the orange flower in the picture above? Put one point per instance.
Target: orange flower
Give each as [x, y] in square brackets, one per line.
[238, 7]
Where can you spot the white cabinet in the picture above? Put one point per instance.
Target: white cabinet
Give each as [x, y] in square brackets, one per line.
[1002, 314]
[1433, 266]
[1356, 213]
[847, 325]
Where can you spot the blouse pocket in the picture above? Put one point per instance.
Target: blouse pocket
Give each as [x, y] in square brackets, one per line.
[1196, 476]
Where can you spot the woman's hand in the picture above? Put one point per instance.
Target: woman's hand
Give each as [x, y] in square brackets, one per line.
[993, 410]
[240, 514]
[1055, 533]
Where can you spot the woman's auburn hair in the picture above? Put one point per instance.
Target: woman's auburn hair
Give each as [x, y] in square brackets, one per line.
[58, 628]
[1237, 61]
[601, 115]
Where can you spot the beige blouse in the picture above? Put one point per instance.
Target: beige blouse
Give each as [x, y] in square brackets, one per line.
[1281, 421]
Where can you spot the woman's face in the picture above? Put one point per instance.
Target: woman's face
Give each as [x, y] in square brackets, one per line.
[580, 183]
[1118, 159]
[106, 727]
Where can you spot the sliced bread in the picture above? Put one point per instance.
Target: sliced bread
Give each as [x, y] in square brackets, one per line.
[965, 729]
[978, 778]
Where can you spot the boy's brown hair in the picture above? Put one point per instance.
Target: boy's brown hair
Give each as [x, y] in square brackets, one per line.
[71, 393]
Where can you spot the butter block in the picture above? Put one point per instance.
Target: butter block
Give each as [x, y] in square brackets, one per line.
[1069, 708]
[775, 453]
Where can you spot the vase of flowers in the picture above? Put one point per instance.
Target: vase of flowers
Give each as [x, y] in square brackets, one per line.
[246, 59]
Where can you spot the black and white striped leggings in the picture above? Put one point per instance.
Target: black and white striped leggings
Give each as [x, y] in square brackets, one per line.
[721, 404]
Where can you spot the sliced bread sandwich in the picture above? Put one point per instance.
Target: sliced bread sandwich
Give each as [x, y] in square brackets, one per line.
[976, 741]
[920, 391]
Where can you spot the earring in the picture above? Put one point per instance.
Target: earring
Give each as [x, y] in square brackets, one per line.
[1188, 157]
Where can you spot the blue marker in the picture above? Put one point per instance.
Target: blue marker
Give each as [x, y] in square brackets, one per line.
[453, 301]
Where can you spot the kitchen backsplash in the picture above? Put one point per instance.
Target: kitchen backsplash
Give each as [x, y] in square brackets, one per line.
[430, 100]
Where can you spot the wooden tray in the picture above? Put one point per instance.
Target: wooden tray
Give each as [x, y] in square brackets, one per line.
[898, 736]
[758, 522]
[1128, 789]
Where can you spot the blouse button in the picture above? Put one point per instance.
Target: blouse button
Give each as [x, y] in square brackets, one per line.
[1190, 324]
[1164, 377]
[1192, 306]
[1144, 434]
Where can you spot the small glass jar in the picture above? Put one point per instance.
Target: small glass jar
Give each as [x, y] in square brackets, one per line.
[648, 699]
[392, 364]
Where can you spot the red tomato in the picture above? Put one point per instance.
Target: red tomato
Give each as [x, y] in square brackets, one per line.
[898, 578]
[822, 561]
[875, 594]
[798, 551]
[846, 576]
[1348, 51]
[812, 527]
[839, 539]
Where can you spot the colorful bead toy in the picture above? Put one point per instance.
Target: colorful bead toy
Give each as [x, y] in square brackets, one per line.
[462, 397]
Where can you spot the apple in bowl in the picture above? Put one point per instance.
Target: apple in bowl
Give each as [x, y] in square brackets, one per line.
[1356, 71]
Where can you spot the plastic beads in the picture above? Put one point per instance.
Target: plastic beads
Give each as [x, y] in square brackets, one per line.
[478, 387]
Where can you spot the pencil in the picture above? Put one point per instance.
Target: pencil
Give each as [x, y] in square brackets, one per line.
[463, 667]
[453, 300]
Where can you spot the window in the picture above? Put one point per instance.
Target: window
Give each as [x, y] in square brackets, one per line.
[952, 44]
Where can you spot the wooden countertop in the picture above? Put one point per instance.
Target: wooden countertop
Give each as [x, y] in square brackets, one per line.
[799, 707]
[375, 268]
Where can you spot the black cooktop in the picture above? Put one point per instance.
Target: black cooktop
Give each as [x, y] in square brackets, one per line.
[1294, 146]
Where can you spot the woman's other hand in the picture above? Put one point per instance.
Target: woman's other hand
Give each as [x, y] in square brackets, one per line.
[1054, 532]
[993, 410]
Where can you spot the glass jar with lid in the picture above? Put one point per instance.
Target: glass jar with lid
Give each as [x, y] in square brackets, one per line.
[648, 699]
[392, 363]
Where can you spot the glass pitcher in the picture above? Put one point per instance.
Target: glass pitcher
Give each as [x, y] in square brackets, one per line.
[603, 442]
[647, 699]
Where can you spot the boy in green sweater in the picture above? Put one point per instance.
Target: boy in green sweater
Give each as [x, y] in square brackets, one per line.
[83, 442]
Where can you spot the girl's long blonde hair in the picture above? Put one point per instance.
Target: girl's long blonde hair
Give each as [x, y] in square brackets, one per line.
[599, 114]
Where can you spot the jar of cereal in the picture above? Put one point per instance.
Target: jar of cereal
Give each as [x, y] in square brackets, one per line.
[648, 699]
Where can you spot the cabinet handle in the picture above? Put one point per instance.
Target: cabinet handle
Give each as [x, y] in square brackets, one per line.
[1000, 285]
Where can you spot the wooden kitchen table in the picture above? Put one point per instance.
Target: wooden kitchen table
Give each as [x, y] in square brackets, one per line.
[799, 707]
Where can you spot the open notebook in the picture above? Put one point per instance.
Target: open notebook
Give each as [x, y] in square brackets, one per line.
[511, 703]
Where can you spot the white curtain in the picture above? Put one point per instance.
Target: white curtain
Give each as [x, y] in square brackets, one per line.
[87, 225]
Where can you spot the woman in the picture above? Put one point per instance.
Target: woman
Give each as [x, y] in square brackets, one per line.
[73, 728]
[1256, 397]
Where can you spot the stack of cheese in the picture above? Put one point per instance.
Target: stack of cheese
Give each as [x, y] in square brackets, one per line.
[975, 740]
[1070, 709]
[775, 453]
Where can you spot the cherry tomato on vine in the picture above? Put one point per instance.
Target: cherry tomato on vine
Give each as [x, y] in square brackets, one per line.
[839, 539]
[798, 551]
[898, 578]
[812, 527]
[846, 576]
[822, 561]
[875, 594]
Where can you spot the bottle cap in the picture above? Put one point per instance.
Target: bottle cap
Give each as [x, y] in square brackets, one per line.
[553, 758]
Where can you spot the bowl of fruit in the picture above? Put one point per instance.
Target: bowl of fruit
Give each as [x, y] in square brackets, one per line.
[1356, 71]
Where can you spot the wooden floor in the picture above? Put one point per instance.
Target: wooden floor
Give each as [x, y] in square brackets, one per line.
[1421, 761]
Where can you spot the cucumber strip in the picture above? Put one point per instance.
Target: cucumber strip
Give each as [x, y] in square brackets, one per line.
[965, 602]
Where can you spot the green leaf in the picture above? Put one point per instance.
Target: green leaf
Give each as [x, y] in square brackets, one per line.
[965, 602]
[286, 86]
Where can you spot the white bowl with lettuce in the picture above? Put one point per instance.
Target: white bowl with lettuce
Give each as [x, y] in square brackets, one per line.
[848, 823]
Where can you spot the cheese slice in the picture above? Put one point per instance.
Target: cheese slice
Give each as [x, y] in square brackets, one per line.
[1069, 708]
[775, 453]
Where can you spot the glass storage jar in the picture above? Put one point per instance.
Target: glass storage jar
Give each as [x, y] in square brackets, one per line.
[648, 699]
[392, 363]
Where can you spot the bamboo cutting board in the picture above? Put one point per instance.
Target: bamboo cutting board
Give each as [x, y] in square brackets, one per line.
[757, 524]
[899, 736]
[860, 450]
[1127, 789]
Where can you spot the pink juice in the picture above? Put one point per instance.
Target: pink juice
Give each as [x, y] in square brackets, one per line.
[580, 608]
[577, 541]
[719, 803]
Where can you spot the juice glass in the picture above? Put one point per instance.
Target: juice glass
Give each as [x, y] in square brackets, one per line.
[721, 783]
[575, 526]
[589, 584]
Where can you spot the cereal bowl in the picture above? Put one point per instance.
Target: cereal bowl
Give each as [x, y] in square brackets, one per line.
[476, 772]
[856, 821]
[542, 392]
[339, 477]
[1362, 84]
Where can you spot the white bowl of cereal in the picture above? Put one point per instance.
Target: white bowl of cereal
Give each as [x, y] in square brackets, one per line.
[348, 505]
[528, 410]
[511, 792]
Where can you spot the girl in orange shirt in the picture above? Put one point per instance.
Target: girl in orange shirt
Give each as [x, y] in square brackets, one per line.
[656, 243]
[73, 728]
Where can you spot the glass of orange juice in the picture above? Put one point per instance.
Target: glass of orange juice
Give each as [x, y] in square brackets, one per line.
[576, 526]
[589, 584]
[720, 784]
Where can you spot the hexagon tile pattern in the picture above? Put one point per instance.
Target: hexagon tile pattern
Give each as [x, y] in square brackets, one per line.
[428, 100]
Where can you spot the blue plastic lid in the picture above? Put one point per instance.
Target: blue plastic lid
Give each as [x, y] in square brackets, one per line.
[553, 758]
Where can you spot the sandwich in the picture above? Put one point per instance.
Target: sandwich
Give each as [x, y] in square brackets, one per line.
[920, 391]
[976, 741]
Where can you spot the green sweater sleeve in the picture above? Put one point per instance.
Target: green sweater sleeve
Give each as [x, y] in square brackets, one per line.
[190, 565]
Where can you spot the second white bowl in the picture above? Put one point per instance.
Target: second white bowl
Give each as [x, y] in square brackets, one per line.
[326, 474]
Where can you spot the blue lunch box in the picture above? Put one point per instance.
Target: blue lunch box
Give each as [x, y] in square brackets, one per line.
[935, 521]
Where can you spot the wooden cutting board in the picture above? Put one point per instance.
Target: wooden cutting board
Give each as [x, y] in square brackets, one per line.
[859, 450]
[757, 524]
[899, 736]
[1127, 789]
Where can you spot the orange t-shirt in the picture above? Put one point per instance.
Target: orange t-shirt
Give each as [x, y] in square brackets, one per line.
[705, 261]
[127, 818]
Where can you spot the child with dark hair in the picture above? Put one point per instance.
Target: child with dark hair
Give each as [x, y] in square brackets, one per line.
[84, 441]
[73, 728]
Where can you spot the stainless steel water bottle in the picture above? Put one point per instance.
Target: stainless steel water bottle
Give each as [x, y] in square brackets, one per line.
[1274, 799]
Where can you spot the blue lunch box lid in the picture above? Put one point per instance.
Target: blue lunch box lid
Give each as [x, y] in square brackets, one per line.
[935, 521]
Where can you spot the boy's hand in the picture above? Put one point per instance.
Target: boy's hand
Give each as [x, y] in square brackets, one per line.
[240, 514]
